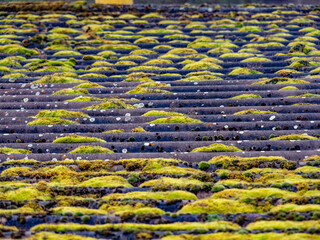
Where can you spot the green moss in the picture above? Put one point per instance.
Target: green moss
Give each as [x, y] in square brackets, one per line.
[220, 50]
[117, 46]
[254, 111]
[170, 195]
[64, 30]
[176, 119]
[256, 59]
[138, 90]
[91, 149]
[238, 54]
[243, 71]
[177, 226]
[245, 96]
[201, 78]
[303, 136]
[13, 151]
[115, 131]
[70, 91]
[146, 40]
[85, 99]
[138, 129]
[15, 75]
[25, 194]
[223, 158]
[307, 169]
[59, 53]
[52, 121]
[202, 65]
[285, 72]
[20, 162]
[217, 147]
[126, 63]
[17, 49]
[89, 85]
[73, 138]
[167, 182]
[95, 75]
[161, 113]
[212, 45]
[142, 51]
[152, 85]
[150, 68]
[101, 63]
[58, 79]
[138, 208]
[163, 47]
[106, 54]
[277, 80]
[202, 73]
[60, 113]
[281, 225]
[107, 181]
[58, 36]
[304, 95]
[114, 104]
[217, 206]
[158, 62]
[10, 61]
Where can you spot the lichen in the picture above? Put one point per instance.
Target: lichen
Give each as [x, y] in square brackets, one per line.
[73, 138]
[253, 111]
[176, 119]
[217, 147]
[52, 121]
[60, 113]
[91, 149]
[303, 136]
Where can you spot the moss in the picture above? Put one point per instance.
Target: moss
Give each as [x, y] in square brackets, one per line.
[202, 73]
[91, 149]
[58, 36]
[6, 150]
[177, 226]
[296, 208]
[158, 62]
[303, 136]
[223, 158]
[152, 85]
[64, 30]
[97, 69]
[59, 53]
[115, 131]
[106, 54]
[20, 162]
[58, 79]
[166, 182]
[126, 63]
[220, 50]
[212, 45]
[201, 78]
[254, 111]
[239, 54]
[138, 208]
[117, 46]
[142, 51]
[95, 75]
[217, 206]
[146, 40]
[176, 119]
[10, 61]
[304, 95]
[277, 80]
[70, 91]
[107, 181]
[281, 225]
[60, 113]
[138, 129]
[25, 194]
[170, 195]
[202, 65]
[285, 72]
[163, 47]
[114, 104]
[101, 63]
[17, 49]
[217, 147]
[246, 96]
[256, 59]
[307, 169]
[138, 90]
[73, 138]
[15, 75]
[161, 113]
[85, 99]
[89, 85]
[15, 171]
[52, 121]
[243, 71]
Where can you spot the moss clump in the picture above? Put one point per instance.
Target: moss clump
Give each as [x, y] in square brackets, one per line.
[167, 182]
[15, 75]
[153, 84]
[304, 95]
[25, 194]
[224, 158]
[289, 88]
[303, 136]
[91, 149]
[202, 65]
[85, 99]
[95, 75]
[253, 111]
[239, 54]
[246, 96]
[217, 206]
[281, 225]
[170, 195]
[212, 45]
[307, 169]
[89, 85]
[17, 49]
[107, 181]
[150, 68]
[146, 40]
[114, 104]
[138, 129]
[70, 91]
[243, 71]
[60, 113]
[290, 207]
[201, 78]
[138, 208]
[58, 79]
[161, 113]
[59, 53]
[176, 119]
[73, 138]
[52, 121]
[142, 51]
[217, 147]
[158, 62]
[278, 80]
[117, 46]
[14, 151]
[256, 59]
[220, 50]
[114, 131]
[139, 90]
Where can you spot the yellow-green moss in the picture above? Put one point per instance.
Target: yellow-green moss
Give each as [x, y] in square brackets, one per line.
[171, 182]
[277, 80]
[89, 85]
[304, 95]
[114, 131]
[290, 207]
[138, 129]
[217, 147]
[161, 113]
[73, 138]
[170, 195]
[201, 78]
[138, 208]
[142, 51]
[52, 121]
[70, 91]
[66, 52]
[24, 194]
[95, 75]
[201, 65]
[20, 162]
[60, 113]
[223, 158]
[253, 111]
[217, 206]
[139, 90]
[281, 225]
[6, 150]
[307, 169]
[91, 149]
[15, 75]
[58, 79]
[245, 96]
[17, 49]
[244, 71]
[111, 105]
[289, 88]
[153, 84]
[256, 59]
[303, 136]
[107, 181]
[54, 236]
[176, 119]
[117, 46]
[158, 62]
